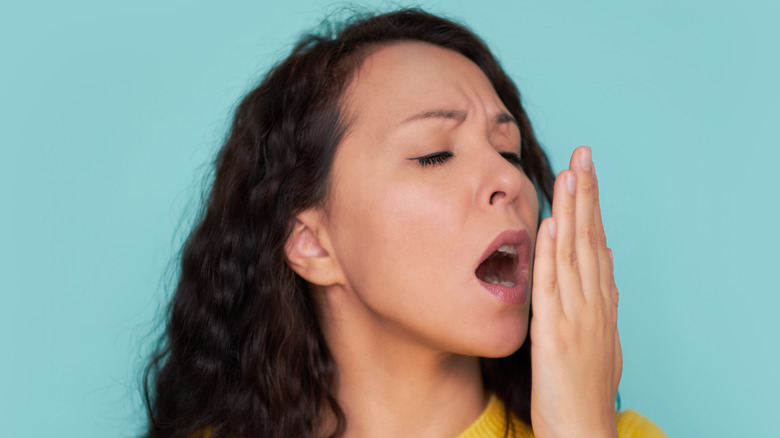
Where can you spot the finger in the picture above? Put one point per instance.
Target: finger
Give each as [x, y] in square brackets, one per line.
[606, 269]
[618, 364]
[545, 299]
[567, 269]
[612, 289]
[588, 239]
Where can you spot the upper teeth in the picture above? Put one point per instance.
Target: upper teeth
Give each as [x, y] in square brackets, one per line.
[507, 250]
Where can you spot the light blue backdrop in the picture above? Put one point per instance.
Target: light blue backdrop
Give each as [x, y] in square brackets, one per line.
[110, 114]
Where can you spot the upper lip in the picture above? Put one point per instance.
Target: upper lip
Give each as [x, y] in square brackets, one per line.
[517, 238]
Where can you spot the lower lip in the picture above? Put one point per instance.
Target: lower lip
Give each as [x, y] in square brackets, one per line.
[516, 295]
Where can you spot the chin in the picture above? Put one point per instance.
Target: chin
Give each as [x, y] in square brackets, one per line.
[503, 350]
[501, 344]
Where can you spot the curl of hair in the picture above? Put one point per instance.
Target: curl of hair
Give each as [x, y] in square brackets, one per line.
[243, 354]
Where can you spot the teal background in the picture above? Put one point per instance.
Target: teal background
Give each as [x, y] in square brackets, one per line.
[111, 112]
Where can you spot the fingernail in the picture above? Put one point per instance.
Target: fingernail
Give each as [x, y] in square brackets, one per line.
[571, 182]
[551, 227]
[586, 161]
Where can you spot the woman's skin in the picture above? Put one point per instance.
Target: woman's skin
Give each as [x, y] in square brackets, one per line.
[392, 258]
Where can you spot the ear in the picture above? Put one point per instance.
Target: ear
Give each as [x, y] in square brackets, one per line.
[308, 249]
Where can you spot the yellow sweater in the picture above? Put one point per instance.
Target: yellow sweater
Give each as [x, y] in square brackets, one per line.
[492, 423]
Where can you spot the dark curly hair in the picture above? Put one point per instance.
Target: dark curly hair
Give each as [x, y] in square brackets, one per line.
[243, 354]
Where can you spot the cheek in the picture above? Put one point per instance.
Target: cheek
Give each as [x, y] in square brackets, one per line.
[418, 209]
[530, 207]
[396, 232]
[417, 223]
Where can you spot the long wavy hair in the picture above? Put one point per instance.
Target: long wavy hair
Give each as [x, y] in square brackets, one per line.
[243, 354]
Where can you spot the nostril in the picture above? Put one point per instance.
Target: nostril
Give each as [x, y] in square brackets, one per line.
[496, 196]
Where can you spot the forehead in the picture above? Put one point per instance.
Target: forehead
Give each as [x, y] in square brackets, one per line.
[399, 79]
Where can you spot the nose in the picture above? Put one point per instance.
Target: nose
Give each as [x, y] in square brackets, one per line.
[501, 181]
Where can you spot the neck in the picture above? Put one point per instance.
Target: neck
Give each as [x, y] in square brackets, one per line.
[389, 384]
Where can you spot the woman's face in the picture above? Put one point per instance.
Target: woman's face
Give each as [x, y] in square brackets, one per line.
[425, 186]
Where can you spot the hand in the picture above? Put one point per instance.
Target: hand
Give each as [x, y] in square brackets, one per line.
[576, 358]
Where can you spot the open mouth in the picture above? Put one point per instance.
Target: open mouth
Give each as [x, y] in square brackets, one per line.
[500, 268]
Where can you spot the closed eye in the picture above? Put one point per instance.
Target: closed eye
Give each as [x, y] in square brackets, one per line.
[433, 159]
[512, 157]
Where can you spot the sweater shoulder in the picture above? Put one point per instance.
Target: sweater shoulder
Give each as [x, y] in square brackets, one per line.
[632, 424]
[493, 424]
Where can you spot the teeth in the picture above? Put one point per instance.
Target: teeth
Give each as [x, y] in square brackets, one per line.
[507, 250]
[493, 279]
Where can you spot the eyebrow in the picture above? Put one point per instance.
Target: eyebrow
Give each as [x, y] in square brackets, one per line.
[459, 116]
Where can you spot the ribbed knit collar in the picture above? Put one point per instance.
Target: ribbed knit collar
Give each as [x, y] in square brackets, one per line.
[492, 423]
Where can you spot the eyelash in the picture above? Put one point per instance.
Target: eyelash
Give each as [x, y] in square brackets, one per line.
[434, 159]
[438, 158]
[512, 157]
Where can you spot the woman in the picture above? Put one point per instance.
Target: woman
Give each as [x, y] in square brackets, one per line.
[366, 258]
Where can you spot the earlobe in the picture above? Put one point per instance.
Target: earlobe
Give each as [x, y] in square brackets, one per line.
[307, 250]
